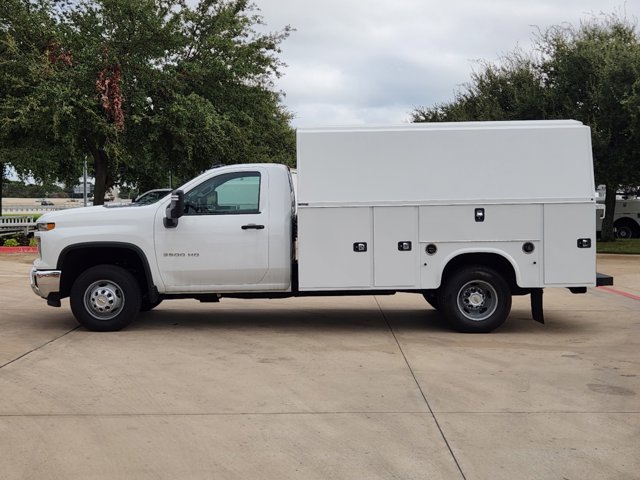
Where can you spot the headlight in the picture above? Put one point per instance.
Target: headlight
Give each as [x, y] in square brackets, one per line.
[44, 227]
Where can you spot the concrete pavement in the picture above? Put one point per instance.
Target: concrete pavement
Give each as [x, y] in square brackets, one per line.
[344, 388]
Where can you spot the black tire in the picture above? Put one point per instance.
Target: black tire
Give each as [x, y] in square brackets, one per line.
[626, 228]
[146, 305]
[105, 298]
[432, 299]
[475, 299]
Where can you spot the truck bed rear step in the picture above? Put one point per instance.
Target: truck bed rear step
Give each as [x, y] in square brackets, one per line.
[603, 280]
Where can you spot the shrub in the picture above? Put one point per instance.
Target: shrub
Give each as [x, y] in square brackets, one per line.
[18, 240]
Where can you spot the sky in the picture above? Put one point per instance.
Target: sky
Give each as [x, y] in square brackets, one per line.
[374, 61]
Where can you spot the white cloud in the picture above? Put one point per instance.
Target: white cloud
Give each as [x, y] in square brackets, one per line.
[373, 61]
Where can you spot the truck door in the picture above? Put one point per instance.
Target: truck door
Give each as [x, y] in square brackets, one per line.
[221, 242]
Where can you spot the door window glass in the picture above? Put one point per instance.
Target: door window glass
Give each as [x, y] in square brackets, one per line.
[227, 194]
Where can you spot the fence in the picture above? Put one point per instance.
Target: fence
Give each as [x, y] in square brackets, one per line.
[34, 208]
[11, 225]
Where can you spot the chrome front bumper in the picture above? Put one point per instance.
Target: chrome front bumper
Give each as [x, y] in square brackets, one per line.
[44, 282]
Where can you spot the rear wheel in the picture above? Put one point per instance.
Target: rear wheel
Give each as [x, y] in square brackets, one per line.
[105, 298]
[475, 299]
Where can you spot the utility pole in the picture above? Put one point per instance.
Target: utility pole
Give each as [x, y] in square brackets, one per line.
[84, 179]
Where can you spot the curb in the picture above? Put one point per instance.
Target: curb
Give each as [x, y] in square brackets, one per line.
[620, 292]
[10, 250]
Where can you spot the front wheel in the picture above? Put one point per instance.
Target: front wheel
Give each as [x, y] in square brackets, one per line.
[105, 298]
[475, 300]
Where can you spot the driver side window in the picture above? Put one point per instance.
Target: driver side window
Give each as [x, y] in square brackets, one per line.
[226, 194]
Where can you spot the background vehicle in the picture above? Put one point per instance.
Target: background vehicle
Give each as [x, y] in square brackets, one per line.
[151, 196]
[626, 218]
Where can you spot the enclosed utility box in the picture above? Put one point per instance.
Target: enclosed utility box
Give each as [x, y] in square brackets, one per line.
[371, 200]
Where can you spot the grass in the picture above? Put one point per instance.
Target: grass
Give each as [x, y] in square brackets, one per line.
[627, 247]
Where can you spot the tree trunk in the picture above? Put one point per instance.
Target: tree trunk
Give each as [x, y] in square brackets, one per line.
[607, 234]
[100, 174]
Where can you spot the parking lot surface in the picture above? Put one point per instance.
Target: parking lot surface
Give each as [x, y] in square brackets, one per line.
[322, 388]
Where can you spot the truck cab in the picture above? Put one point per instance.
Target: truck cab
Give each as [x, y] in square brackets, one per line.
[234, 235]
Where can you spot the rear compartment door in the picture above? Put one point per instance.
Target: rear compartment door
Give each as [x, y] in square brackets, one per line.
[565, 262]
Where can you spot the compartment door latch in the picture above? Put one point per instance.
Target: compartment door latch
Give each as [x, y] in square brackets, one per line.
[584, 243]
[360, 247]
[404, 246]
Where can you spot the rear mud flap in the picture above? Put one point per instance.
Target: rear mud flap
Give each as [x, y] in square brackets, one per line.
[536, 305]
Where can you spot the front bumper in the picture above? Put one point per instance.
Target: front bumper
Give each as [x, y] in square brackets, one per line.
[45, 282]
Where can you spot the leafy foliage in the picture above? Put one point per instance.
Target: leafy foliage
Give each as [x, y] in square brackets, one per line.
[589, 73]
[509, 90]
[21, 190]
[142, 88]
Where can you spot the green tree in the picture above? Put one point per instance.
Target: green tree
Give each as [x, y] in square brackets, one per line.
[593, 74]
[24, 30]
[509, 90]
[589, 73]
[143, 89]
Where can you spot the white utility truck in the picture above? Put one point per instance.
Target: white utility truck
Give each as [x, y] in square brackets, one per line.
[466, 214]
[626, 218]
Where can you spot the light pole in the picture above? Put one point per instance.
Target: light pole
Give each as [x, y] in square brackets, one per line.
[84, 179]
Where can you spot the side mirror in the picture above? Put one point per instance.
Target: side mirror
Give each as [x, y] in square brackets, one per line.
[175, 209]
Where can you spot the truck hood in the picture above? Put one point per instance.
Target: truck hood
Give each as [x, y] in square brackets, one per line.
[101, 215]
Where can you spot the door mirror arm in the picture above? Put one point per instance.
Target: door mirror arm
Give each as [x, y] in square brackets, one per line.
[174, 210]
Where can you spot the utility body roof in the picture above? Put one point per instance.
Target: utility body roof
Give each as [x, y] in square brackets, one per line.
[446, 163]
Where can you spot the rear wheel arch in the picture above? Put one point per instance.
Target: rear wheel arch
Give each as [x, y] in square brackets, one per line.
[494, 261]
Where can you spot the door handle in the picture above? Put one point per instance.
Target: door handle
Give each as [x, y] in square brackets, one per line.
[253, 226]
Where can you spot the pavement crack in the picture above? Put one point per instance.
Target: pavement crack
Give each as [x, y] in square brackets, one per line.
[39, 347]
[424, 396]
[199, 414]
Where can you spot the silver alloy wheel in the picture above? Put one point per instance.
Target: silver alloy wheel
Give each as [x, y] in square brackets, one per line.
[104, 299]
[477, 300]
